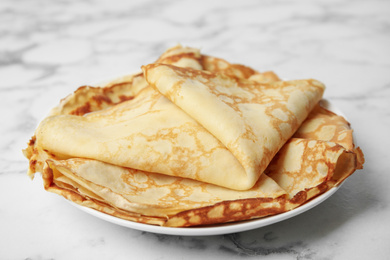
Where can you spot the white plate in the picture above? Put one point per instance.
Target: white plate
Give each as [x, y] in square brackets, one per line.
[220, 229]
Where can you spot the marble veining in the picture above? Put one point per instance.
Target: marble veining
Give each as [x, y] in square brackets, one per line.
[253, 248]
[49, 48]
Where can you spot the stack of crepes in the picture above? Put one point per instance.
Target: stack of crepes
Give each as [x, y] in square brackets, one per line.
[193, 140]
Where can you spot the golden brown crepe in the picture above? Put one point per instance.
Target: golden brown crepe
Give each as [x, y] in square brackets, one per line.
[88, 99]
[249, 124]
[252, 120]
[127, 156]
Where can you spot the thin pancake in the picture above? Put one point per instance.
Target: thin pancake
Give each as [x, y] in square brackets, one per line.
[146, 193]
[302, 169]
[89, 99]
[144, 132]
[251, 119]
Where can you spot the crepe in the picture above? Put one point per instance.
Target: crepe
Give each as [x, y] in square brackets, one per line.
[250, 122]
[298, 173]
[79, 163]
[87, 99]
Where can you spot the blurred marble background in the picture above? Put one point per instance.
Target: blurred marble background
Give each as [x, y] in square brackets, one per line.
[49, 48]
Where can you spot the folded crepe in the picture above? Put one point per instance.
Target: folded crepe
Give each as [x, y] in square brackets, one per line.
[252, 120]
[215, 129]
[193, 145]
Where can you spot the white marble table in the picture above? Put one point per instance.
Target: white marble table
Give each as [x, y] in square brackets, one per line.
[49, 48]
